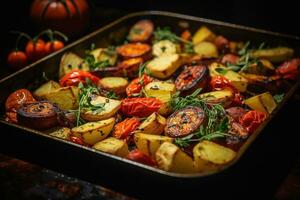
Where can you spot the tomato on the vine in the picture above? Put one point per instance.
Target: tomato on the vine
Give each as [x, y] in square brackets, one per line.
[17, 59]
[35, 49]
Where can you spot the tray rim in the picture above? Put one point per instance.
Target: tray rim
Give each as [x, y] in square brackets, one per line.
[149, 13]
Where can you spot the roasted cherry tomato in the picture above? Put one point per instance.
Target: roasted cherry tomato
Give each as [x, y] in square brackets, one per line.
[186, 35]
[141, 31]
[53, 46]
[124, 129]
[14, 101]
[184, 122]
[192, 78]
[140, 107]
[138, 156]
[78, 76]
[222, 43]
[135, 86]
[252, 119]
[17, 59]
[133, 50]
[289, 69]
[35, 49]
[230, 58]
[77, 140]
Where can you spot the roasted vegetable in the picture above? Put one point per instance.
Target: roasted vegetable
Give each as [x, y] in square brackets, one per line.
[78, 76]
[141, 31]
[115, 84]
[261, 67]
[66, 97]
[192, 78]
[184, 121]
[93, 132]
[38, 115]
[69, 62]
[165, 47]
[236, 113]
[107, 108]
[148, 144]
[113, 146]
[46, 88]
[206, 49]
[210, 156]
[63, 133]
[223, 97]
[135, 86]
[134, 50]
[140, 107]
[102, 55]
[130, 67]
[125, 128]
[263, 102]
[275, 55]
[154, 124]
[289, 69]
[252, 119]
[170, 158]
[238, 81]
[138, 156]
[162, 91]
[203, 34]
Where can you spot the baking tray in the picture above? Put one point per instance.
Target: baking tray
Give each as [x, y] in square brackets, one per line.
[124, 175]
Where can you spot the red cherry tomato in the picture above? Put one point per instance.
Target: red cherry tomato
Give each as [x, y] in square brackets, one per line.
[252, 119]
[76, 76]
[53, 46]
[35, 49]
[221, 42]
[138, 156]
[17, 59]
[136, 85]
[123, 129]
[230, 58]
[289, 69]
[140, 107]
[77, 140]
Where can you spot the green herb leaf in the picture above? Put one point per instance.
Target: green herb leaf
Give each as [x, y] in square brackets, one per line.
[278, 97]
[221, 70]
[166, 34]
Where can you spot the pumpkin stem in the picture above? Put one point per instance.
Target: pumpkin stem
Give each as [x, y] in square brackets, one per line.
[66, 7]
[49, 33]
[43, 13]
[65, 38]
[76, 7]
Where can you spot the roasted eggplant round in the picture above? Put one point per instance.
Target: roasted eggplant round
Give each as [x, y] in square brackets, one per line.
[192, 78]
[38, 115]
[184, 122]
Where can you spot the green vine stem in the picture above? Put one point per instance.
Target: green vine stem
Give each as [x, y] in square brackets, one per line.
[20, 36]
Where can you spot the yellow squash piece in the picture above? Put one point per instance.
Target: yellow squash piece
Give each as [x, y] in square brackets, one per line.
[223, 97]
[110, 108]
[263, 102]
[206, 49]
[66, 97]
[163, 91]
[203, 34]
[164, 66]
[171, 158]
[148, 144]
[93, 132]
[154, 124]
[113, 146]
[210, 156]
[238, 81]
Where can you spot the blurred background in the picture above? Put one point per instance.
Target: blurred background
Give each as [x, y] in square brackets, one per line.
[15, 175]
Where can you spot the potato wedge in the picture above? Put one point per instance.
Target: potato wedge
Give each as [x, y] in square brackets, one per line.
[113, 146]
[165, 47]
[206, 49]
[110, 108]
[203, 34]
[263, 102]
[63, 133]
[261, 67]
[171, 158]
[70, 61]
[210, 156]
[115, 84]
[164, 66]
[149, 144]
[93, 132]
[46, 88]
[105, 55]
[66, 97]
[275, 55]
[154, 124]
[162, 91]
[223, 97]
[237, 80]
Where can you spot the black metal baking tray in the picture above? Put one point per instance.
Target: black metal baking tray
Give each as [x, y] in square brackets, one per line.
[124, 175]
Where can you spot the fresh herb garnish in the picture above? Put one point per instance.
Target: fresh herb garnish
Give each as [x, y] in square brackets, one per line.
[92, 61]
[221, 70]
[112, 95]
[217, 125]
[278, 97]
[189, 48]
[166, 34]
[143, 69]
